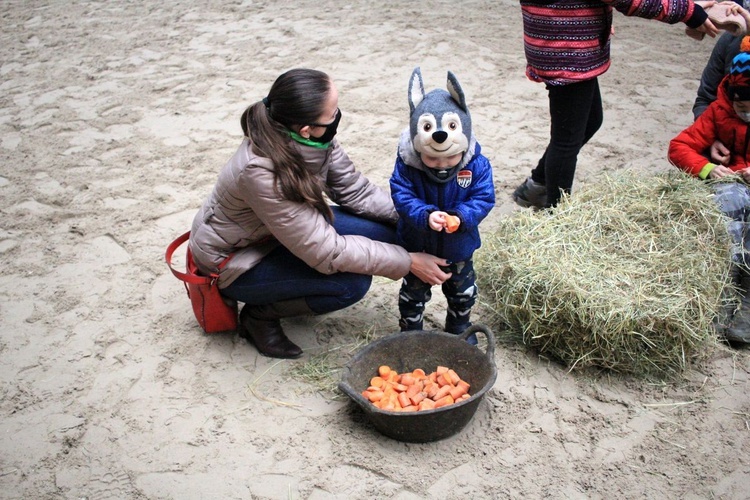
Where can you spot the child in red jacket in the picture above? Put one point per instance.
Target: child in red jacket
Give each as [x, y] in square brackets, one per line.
[726, 120]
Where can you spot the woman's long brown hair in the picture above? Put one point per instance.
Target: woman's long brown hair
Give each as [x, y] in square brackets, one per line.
[296, 98]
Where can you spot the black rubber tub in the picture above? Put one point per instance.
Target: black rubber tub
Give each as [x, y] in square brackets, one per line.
[426, 350]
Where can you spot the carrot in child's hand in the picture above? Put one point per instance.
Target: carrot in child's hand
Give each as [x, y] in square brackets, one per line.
[451, 223]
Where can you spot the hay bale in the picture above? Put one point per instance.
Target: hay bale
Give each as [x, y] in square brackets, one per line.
[627, 275]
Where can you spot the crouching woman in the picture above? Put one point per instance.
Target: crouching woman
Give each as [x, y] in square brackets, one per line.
[268, 229]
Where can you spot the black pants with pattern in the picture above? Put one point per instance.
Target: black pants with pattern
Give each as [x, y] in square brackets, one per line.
[460, 292]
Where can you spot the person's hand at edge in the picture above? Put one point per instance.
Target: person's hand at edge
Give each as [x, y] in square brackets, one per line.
[427, 268]
[719, 153]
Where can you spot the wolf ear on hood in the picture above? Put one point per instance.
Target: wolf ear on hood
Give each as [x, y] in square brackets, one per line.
[454, 88]
[416, 90]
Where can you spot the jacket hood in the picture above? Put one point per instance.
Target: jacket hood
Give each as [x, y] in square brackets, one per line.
[410, 157]
[722, 96]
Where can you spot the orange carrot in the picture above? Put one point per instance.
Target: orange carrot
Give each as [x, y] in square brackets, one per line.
[417, 398]
[399, 387]
[454, 378]
[407, 379]
[463, 383]
[442, 392]
[431, 390]
[444, 379]
[403, 400]
[426, 404]
[457, 392]
[373, 396]
[441, 369]
[413, 389]
[384, 370]
[451, 223]
[377, 382]
[445, 401]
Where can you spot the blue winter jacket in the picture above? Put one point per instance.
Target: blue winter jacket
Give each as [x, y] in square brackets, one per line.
[468, 193]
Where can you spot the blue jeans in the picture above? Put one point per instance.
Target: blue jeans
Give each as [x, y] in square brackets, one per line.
[733, 199]
[283, 276]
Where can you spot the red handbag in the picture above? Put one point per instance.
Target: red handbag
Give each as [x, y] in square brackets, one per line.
[214, 312]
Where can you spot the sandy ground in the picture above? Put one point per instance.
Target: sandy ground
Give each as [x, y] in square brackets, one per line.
[115, 118]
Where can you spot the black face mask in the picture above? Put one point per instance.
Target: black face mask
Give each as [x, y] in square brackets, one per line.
[330, 132]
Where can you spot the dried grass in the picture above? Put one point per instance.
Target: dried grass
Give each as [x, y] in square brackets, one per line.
[627, 274]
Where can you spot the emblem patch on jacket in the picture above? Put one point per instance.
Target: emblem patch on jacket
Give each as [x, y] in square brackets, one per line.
[464, 178]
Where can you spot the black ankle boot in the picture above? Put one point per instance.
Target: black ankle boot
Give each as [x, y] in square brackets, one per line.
[261, 325]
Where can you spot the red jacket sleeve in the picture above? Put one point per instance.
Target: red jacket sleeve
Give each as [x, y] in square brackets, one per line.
[686, 151]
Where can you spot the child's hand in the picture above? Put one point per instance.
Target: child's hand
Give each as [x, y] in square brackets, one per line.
[719, 153]
[437, 220]
[745, 173]
[440, 221]
[720, 171]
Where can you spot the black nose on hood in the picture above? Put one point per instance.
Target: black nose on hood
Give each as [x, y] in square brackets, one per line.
[439, 136]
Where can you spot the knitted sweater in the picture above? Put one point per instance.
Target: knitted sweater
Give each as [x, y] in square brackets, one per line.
[567, 41]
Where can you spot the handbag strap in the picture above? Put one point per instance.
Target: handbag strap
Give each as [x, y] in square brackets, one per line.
[186, 277]
[189, 277]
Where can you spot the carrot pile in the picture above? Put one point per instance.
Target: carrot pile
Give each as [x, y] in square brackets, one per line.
[414, 391]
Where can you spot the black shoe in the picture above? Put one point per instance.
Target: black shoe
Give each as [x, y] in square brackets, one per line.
[268, 337]
[531, 194]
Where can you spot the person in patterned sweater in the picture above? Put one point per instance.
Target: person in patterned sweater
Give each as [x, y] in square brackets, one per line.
[567, 46]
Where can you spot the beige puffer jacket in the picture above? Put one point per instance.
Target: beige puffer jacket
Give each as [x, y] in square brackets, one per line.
[245, 216]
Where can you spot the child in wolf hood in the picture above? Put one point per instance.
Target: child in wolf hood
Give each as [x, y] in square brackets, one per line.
[440, 173]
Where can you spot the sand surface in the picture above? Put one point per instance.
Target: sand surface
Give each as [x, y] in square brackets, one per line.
[115, 118]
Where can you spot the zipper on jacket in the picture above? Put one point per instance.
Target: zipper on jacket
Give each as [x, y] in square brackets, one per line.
[441, 234]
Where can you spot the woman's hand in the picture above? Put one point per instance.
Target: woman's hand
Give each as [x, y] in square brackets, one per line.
[426, 267]
[707, 28]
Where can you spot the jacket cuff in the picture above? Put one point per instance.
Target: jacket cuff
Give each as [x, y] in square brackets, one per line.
[698, 18]
[703, 174]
